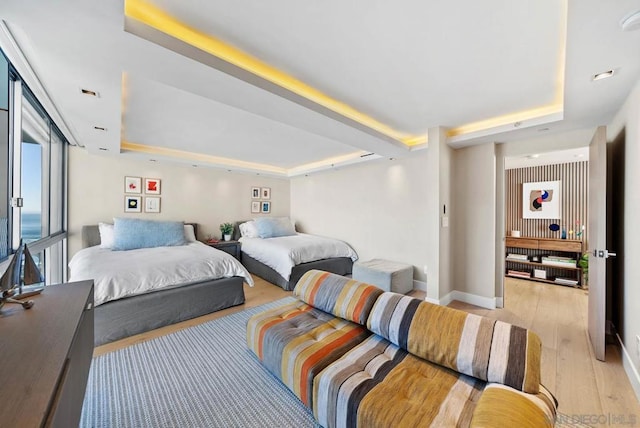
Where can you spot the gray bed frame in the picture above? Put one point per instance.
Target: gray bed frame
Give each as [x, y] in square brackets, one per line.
[137, 314]
[337, 265]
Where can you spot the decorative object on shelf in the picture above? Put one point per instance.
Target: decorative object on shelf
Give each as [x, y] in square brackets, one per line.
[132, 185]
[541, 200]
[255, 207]
[266, 207]
[132, 204]
[152, 204]
[226, 229]
[554, 227]
[152, 186]
[265, 193]
[564, 233]
[515, 233]
[255, 193]
[583, 263]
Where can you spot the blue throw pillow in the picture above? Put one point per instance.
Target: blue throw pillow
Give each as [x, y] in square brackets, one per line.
[272, 227]
[132, 233]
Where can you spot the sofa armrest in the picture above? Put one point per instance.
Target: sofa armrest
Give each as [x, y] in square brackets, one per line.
[501, 405]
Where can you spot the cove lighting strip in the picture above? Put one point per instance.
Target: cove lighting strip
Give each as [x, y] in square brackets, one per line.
[229, 163]
[149, 15]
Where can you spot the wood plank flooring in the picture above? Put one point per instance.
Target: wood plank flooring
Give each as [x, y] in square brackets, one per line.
[598, 392]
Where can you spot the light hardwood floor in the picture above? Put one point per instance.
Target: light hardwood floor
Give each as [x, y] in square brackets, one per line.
[592, 390]
[598, 392]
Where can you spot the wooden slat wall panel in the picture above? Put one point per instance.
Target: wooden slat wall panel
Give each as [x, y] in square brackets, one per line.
[574, 179]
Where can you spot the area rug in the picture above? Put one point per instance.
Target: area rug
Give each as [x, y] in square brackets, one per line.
[203, 376]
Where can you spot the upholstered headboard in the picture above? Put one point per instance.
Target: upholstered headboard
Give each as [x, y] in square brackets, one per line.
[236, 229]
[91, 234]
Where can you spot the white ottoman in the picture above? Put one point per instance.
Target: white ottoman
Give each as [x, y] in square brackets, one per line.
[388, 275]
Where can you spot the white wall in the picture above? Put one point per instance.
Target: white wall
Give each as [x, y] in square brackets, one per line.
[628, 118]
[473, 220]
[199, 195]
[378, 207]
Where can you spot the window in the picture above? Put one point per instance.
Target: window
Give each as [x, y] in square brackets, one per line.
[4, 158]
[32, 162]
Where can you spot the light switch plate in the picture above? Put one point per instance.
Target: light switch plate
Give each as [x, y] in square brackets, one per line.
[445, 221]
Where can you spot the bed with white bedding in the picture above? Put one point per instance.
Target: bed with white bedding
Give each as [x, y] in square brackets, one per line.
[282, 260]
[143, 289]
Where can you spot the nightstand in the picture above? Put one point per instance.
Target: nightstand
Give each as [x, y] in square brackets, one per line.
[230, 247]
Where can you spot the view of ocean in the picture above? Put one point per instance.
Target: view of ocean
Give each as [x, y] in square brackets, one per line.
[31, 227]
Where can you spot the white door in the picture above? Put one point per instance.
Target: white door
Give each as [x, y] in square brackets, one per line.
[598, 241]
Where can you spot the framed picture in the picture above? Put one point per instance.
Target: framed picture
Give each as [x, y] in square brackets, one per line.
[132, 204]
[132, 185]
[255, 193]
[541, 200]
[152, 186]
[265, 193]
[255, 207]
[152, 204]
[266, 207]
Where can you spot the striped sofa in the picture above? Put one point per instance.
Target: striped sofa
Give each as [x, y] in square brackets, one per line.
[359, 356]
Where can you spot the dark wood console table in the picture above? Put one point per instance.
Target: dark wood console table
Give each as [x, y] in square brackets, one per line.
[45, 355]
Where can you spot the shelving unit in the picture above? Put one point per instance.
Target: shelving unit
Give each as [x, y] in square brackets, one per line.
[546, 246]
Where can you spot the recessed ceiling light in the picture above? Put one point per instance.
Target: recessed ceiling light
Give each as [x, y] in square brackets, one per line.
[90, 92]
[104, 149]
[99, 128]
[603, 75]
[580, 155]
[631, 22]
[534, 156]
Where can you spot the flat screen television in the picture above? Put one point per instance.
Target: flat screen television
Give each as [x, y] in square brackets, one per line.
[22, 279]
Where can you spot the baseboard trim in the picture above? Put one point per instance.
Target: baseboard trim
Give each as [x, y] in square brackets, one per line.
[474, 299]
[499, 302]
[630, 369]
[419, 285]
[461, 296]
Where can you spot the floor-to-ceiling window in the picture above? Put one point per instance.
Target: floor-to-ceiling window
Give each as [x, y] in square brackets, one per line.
[5, 243]
[32, 165]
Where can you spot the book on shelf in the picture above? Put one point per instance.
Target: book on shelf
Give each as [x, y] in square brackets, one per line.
[518, 257]
[566, 281]
[519, 273]
[559, 261]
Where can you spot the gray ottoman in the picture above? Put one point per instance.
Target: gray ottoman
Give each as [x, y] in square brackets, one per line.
[390, 276]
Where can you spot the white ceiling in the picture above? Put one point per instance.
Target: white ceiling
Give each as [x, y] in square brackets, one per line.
[411, 65]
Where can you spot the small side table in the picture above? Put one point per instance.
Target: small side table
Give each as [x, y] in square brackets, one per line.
[230, 247]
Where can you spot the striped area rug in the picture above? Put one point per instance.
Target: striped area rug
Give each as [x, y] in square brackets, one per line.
[203, 376]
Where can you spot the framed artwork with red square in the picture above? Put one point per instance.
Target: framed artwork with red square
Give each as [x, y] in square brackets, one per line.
[152, 186]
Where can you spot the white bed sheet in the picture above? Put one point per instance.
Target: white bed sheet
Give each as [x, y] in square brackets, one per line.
[119, 274]
[283, 253]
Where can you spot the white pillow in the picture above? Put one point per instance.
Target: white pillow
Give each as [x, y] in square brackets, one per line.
[189, 233]
[106, 235]
[248, 229]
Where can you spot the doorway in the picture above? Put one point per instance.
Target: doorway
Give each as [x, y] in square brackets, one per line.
[545, 247]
